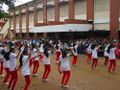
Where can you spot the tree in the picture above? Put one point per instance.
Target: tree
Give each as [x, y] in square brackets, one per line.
[10, 3]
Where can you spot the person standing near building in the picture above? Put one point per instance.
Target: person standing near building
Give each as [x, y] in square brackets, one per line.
[89, 53]
[94, 56]
[12, 68]
[35, 60]
[6, 67]
[112, 58]
[1, 60]
[25, 69]
[64, 68]
[41, 50]
[106, 55]
[75, 54]
[46, 61]
[58, 52]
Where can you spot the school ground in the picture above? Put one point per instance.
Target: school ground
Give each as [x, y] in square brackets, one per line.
[82, 78]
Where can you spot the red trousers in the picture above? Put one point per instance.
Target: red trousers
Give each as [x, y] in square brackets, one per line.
[28, 82]
[106, 60]
[65, 77]
[30, 62]
[13, 80]
[89, 56]
[46, 71]
[57, 55]
[74, 62]
[1, 68]
[41, 57]
[112, 65]
[94, 63]
[7, 76]
[35, 66]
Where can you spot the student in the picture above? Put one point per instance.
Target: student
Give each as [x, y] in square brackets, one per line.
[32, 55]
[25, 69]
[75, 54]
[106, 55]
[35, 59]
[1, 60]
[6, 67]
[12, 68]
[112, 58]
[41, 50]
[36, 64]
[46, 61]
[21, 49]
[89, 54]
[94, 56]
[58, 53]
[64, 67]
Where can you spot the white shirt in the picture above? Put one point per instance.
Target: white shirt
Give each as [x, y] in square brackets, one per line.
[105, 51]
[1, 56]
[75, 52]
[33, 53]
[89, 50]
[46, 60]
[65, 65]
[94, 53]
[12, 61]
[41, 50]
[6, 64]
[22, 48]
[112, 54]
[25, 68]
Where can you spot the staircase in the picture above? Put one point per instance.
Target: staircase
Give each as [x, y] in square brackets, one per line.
[4, 30]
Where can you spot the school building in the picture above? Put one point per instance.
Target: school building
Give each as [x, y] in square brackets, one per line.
[64, 19]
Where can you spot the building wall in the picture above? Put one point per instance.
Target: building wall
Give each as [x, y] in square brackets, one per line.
[31, 19]
[17, 23]
[63, 12]
[40, 16]
[12, 23]
[80, 9]
[102, 11]
[101, 8]
[50, 14]
[104, 26]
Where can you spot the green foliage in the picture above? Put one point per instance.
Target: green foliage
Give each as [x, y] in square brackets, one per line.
[10, 3]
[4, 15]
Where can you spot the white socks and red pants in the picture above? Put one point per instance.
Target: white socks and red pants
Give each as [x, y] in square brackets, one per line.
[36, 66]
[74, 62]
[94, 63]
[65, 78]
[7, 76]
[112, 65]
[106, 60]
[31, 62]
[57, 55]
[28, 82]
[13, 80]
[1, 68]
[89, 56]
[46, 71]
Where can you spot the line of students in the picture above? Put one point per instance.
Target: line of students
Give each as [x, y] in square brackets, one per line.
[25, 55]
[32, 55]
[109, 54]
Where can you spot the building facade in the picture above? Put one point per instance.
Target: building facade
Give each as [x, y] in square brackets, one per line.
[102, 15]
